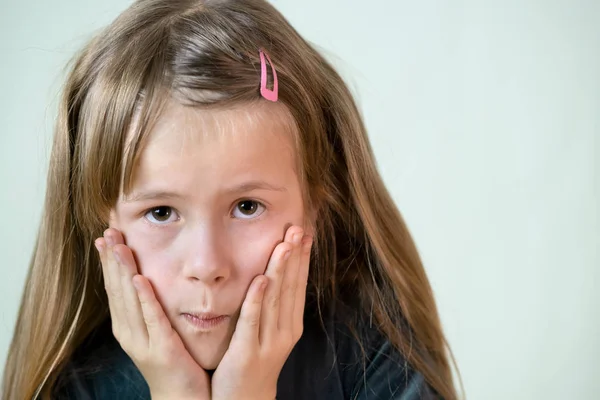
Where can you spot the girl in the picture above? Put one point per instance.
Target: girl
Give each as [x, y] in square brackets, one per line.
[204, 156]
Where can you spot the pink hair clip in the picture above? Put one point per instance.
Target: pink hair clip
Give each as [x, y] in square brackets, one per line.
[267, 93]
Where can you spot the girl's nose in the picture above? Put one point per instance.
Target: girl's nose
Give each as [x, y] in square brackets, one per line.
[208, 258]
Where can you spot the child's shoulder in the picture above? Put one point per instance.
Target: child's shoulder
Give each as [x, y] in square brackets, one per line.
[100, 369]
[342, 355]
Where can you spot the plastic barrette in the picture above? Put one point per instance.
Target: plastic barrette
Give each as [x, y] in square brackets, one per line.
[268, 94]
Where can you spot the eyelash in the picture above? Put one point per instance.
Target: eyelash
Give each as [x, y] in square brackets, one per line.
[172, 210]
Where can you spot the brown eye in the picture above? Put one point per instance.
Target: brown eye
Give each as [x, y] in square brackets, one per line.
[248, 209]
[160, 215]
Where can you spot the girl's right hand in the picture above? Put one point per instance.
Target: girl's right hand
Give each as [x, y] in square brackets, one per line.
[143, 330]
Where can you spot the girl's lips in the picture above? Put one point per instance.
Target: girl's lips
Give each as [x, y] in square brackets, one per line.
[205, 322]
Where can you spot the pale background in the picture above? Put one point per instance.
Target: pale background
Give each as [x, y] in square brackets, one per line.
[485, 119]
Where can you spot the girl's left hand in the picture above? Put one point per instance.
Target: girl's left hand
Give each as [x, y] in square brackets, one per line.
[270, 324]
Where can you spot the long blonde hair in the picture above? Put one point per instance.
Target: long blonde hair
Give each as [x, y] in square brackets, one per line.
[205, 53]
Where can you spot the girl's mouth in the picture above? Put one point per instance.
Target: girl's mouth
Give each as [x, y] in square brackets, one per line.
[205, 321]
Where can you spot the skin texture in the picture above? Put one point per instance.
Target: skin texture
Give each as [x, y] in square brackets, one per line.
[216, 204]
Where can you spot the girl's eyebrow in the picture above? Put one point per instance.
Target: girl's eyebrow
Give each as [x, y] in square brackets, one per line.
[151, 195]
[254, 185]
[166, 195]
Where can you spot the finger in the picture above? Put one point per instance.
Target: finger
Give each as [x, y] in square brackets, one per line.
[102, 249]
[114, 291]
[274, 273]
[131, 303]
[158, 325]
[300, 301]
[290, 281]
[247, 329]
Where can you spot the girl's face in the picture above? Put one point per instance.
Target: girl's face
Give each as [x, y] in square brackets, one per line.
[212, 195]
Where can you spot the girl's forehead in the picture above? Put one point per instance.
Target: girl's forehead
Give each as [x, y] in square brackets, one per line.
[192, 146]
[252, 121]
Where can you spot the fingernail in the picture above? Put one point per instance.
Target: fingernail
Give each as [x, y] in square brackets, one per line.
[297, 237]
[109, 240]
[98, 246]
[117, 257]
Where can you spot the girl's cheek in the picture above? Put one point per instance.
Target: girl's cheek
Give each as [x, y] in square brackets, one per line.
[159, 268]
[252, 255]
[256, 258]
[153, 256]
[155, 266]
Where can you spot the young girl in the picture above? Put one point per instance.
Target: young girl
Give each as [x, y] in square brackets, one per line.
[204, 156]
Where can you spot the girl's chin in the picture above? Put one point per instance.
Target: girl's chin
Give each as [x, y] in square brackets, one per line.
[208, 349]
[206, 357]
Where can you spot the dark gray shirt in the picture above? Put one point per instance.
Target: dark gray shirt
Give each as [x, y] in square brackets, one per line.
[327, 363]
